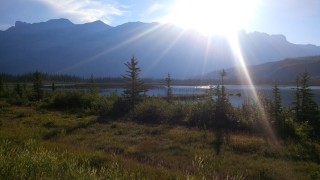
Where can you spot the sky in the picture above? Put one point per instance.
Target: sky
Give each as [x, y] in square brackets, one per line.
[298, 20]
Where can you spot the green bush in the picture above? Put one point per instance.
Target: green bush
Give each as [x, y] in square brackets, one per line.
[178, 113]
[83, 102]
[153, 111]
[72, 100]
[202, 114]
[156, 111]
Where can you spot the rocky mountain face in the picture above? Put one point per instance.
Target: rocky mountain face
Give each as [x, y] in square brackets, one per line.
[60, 46]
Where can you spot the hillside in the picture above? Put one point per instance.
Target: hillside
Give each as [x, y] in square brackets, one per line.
[60, 46]
[284, 71]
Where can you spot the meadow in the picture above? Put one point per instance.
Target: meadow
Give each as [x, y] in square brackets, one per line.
[42, 143]
[76, 134]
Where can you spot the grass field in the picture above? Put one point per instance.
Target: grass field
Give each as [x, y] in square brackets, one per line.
[38, 143]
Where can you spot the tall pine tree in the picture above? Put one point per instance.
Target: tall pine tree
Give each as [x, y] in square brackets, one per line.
[37, 86]
[1, 86]
[305, 108]
[134, 86]
[169, 88]
[277, 113]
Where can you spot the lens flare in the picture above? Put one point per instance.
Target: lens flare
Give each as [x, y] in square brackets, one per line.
[235, 47]
[135, 38]
[168, 48]
[212, 16]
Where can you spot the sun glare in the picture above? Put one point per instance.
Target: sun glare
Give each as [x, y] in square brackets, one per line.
[212, 16]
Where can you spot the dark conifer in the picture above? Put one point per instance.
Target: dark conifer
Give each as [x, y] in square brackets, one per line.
[53, 87]
[305, 108]
[134, 86]
[37, 86]
[169, 89]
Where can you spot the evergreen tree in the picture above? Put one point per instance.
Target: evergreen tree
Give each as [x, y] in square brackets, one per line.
[37, 86]
[277, 114]
[134, 86]
[25, 91]
[305, 108]
[169, 89]
[223, 122]
[92, 88]
[18, 90]
[1, 86]
[222, 96]
[222, 73]
[53, 87]
[20, 94]
[297, 100]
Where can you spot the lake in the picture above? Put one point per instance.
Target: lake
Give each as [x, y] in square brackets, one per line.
[287, 92]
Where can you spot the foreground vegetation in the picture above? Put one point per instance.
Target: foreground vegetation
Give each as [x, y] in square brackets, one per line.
[82, 135]
[37, 143]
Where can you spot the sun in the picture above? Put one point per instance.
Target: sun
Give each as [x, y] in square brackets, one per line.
[212, 16]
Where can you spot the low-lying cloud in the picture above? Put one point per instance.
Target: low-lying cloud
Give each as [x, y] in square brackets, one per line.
[86, 10]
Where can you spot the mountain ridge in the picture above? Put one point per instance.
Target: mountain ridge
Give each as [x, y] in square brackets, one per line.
[60, 46]
[283, 71]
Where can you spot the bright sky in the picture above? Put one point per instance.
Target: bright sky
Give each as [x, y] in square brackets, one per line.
[298, 20]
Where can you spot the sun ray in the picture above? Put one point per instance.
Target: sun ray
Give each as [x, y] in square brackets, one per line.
[111, 49]
[208, 45]
[235, 47]
[173, 42]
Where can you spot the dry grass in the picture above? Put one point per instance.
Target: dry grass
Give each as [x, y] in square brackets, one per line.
[48, 140]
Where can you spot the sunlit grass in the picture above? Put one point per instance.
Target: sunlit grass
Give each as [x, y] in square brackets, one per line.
[81, 147]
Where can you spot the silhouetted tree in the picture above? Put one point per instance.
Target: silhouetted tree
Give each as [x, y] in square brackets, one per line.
[222, 97]
[1, 86]
[53, 87]
[169, 89]
[305, 108]
[18, 90]
[223, 122]
[222, 73]
[92, 88]
[134, 86]
[277, 112]
[20, 94]
[37, 86]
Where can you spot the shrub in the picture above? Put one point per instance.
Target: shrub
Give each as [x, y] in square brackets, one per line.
[71, 100]
[120, 107]
[178, 113]
[153, 111]
[83, 102]
[202, 114]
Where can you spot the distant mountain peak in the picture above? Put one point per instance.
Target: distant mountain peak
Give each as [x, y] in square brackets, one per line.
[58, 23]
[61, 20]
[262, 35]
[50, 24]
[97, 23]
[20, 24]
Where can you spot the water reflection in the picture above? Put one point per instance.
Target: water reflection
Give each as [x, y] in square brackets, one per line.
[237, 93]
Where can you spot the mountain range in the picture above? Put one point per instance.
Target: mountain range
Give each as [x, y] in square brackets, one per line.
[60, 46]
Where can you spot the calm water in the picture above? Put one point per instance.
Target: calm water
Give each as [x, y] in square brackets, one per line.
[287, 92]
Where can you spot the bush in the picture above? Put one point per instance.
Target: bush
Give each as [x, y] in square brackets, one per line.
[120, 106]
[72, 100]
[202, 114]
[153, 111]
[178, 113]
[83, 102]
[156, 111]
